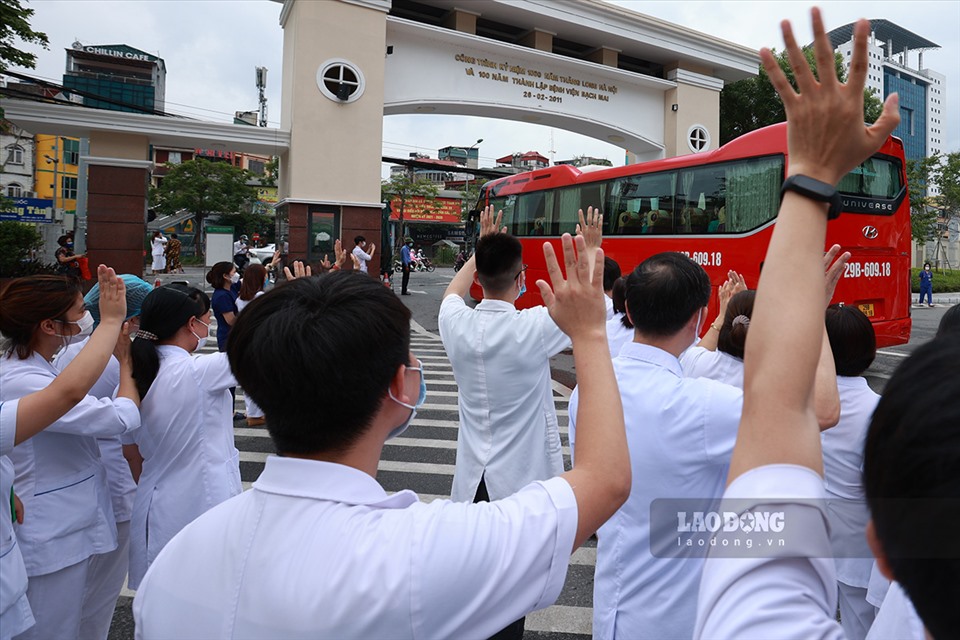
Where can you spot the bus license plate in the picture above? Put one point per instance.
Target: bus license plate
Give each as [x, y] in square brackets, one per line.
[867, 309]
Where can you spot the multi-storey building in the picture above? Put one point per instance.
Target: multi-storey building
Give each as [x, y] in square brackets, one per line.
[116, 77]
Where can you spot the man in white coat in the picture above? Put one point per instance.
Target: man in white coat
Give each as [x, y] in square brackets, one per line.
[317, 549]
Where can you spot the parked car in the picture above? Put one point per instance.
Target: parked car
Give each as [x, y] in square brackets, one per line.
[262, 255]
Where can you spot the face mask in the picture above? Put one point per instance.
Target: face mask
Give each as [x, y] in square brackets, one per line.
[926, 268]
[413, 407]
[523, 290]
[235, 278]
[696, 334]
[86, 328]
[69, 245]
[201, 341]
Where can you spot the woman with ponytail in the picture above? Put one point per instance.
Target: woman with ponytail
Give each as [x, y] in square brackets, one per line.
[190, 463]
[59, 475]
[725, 364]
[251, 287]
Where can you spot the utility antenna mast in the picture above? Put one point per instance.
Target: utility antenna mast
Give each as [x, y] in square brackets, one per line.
[262, 86]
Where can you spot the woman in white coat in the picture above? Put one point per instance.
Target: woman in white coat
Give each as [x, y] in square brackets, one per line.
[854, 347]
[190, 463]
[157, 251]
[58, 473]
[251, 288]
[24, 418]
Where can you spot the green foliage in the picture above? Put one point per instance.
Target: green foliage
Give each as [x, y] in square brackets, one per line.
[18, 241]
[469, 197]
[947, 179]
[923, 217]
[944, 281]
[445, 256]
[203, 187]
[249, 223]
[271, 172]
[753, 103]
[15, 25]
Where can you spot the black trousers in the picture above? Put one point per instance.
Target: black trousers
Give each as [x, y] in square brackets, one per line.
[406, 278]
[514, 630]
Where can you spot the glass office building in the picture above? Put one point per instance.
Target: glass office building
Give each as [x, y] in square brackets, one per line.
[116, 77]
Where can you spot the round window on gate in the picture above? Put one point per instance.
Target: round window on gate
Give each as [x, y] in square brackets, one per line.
[698, 138]
[340, 80]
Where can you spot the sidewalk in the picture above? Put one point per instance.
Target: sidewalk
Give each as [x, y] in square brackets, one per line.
[939, 299]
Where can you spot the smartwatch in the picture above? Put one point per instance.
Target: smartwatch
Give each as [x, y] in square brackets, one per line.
[815, 190]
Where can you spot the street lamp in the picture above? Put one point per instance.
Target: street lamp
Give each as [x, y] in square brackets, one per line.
[56, 165]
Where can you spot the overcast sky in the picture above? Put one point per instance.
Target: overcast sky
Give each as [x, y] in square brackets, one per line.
[211, 48]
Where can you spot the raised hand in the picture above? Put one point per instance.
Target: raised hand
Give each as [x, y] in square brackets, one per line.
[338, 252]
[113, 296]
[576, 302]
[591, 227]
[825, 131]
[489, 224]
[299, 271]
[833, 269]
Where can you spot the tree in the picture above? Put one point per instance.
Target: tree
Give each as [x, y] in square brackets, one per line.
[202, 187]
[946, 177]
[402, 187]
[753, 103]
[923, 217]
[271, 172]
[15, 25]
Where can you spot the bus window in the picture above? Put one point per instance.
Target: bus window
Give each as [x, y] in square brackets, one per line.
[530, 214]
[877, 177]
[752, 194]
[641, 204]
[507, 204]
[571, 200]
[702, 194]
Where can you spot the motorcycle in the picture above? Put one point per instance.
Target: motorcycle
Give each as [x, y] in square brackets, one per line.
[460, 261]
[424, 264]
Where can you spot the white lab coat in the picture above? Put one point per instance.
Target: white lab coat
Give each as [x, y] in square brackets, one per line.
[15, 614]
[508, 424]
[617, 336]
[60, 477]
[319, 550]
[190, 463]
[253, 409]
[159, 260]
[698, 362]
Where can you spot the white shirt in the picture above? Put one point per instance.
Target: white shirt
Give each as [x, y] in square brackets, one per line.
[190, 463]
[119, 479]
[319, 550]
[768, 596]
[508, 424]
[843, 479]
[608, 303]
[60, 478]
[877, 587]
[363, 257]
[243, 303]
[698, 362]
[680, 433]
[239, 247]
[157, 246]
[15, 614]
[897, 619]
[617, 336]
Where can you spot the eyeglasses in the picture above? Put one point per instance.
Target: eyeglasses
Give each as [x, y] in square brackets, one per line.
[523, 269]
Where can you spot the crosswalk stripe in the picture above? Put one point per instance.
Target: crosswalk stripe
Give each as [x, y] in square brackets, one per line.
[561, 619]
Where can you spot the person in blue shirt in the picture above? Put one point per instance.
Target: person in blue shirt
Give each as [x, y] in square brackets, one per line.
[926, 284]
[225, 280]
[405, 260]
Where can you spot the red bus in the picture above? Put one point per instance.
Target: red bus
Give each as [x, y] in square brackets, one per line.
[719, 208]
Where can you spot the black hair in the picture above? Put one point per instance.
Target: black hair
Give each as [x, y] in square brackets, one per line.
[664, 291]
[298, 353]
[611, 271]
[852, 339]
[164, 311]
[950, 322]
[618, 295]
[733, 337]
[911, 474]
[499, 259]
[217, 272]
[26, 302]
[359, 239]
[173, 235]
[63, 240]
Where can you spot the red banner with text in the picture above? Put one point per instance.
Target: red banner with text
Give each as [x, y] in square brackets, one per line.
[420, 209]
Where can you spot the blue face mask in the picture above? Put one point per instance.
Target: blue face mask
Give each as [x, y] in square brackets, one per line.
[523, 290]
[413, 407]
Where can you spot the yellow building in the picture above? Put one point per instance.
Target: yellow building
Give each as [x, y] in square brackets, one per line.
[56, 163]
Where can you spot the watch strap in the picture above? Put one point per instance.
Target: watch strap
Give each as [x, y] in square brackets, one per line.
[815, 190]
